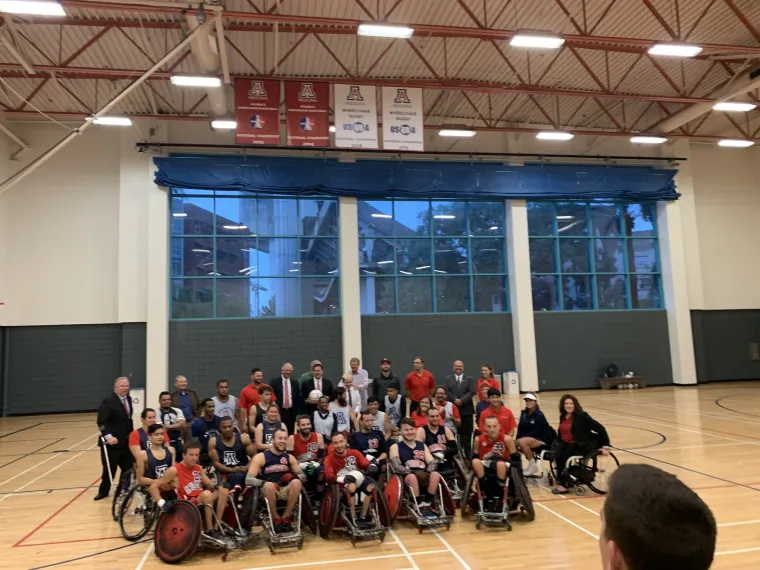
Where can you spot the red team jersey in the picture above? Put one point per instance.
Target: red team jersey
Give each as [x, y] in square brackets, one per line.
[486, 446]
[190, 481]
[337, 466]
[306, 450]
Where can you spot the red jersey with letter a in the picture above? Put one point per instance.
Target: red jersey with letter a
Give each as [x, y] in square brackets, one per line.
[190, 481]
[340, 466]
[306, 450]
[486, 446]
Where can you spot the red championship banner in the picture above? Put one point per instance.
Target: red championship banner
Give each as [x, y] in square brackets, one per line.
[257, 111]
[307, 114]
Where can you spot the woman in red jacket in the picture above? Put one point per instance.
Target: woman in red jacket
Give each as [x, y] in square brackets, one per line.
[487, 377]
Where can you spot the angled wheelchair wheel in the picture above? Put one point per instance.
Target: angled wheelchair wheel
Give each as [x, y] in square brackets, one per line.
[394, 498]
[307, 512]
[178, 533]
[137, 514]
[522, 494]
[328, 510]
[126, 481]
[469, 500]
[597, 470]
[383, 511]
[448, 499]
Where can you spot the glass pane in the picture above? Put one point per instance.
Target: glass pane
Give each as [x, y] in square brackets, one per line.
[610, 291]
[540, 218]
[490, 293]
[378, 296]
[642, 255]
[571, 219]
[609, 255]
[191, 192]
[449, 219]
[605, 220]
[276, 297]
[452, 294]
[576, 293]
[488, 255]
[320, 296]
[235, 298]
[192, 216]
[573, 255]
[376, 255]
[645, 292]
[375, 218]
[413, 256]
[487, 218]
[319, 256]
[545, 292]
[450, 255]
[192, 298]
[278, 257]
[638, 220]
[236, 257]
[192, 257]
[235, 216]
[412, 218]
[542, 256]
[277, 217]
[318, 217]
[415, 295]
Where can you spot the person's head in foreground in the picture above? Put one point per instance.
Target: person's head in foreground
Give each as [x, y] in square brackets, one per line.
[652, 521]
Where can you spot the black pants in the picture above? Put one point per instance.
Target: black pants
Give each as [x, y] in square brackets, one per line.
[465, 434]
[119, 457]
[564, 451]
[288, 417]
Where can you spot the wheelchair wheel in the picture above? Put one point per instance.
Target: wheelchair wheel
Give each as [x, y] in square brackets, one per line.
[178, 533]
[137, 514]
[522, 494]
[597, 470]
[328, 510]
[383, 511]
[448, 500]
[468, 497]
[394, 498]
[307, 512]
[126, 480]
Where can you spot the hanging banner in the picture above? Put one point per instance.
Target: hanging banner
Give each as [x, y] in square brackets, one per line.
[307, 113]
[257, 111]
[403, 126]
[355, 116]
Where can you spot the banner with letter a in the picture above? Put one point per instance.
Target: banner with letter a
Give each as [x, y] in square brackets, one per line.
[403, 124]
[307, 113]
[355, 116]
[257, 111]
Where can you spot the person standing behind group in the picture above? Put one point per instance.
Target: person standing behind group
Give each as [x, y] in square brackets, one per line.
[173, 421]
[394, 406]
[188, 401]
[306, 376]
[380, 383]
[460, 389]
[115, 425]
[361, 381]
[486, 379]
[353, 397]
[225, 406]
[258, 412]
[418, 384]
[317, 382]
[249, 396]
[287, 395]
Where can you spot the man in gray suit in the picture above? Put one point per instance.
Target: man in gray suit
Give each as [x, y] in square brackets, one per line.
[461, 389]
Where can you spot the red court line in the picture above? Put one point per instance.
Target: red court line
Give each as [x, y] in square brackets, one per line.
[67, 541]
[56, 513]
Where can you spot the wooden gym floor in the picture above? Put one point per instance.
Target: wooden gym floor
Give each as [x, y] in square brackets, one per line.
[707, 436]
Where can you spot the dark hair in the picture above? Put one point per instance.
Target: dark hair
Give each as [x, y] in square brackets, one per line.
[222, 381]
[338, 392]
[408, 422]
[255, 370]
[490, 369]
[576, 403]
[422, 360]
[302, 417]
[393, 385]
[431, 409]
[274, 405]
[336, 433]
[428, 398]
[656, 521]
[145, 412]
[323, 398]
[154, 428]
[193, 444]
[494, 392]
[440, 388]
[365, 413]
[162, 394]
[490, 418]
[265, 388]
[313, 366]
[279, 429]
[203, 403]
[225, 419]
[372, 400]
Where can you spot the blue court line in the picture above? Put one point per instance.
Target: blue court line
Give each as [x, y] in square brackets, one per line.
[662, 436]
[90, 555]
[717, 403]
[32, 453]
[20, 430]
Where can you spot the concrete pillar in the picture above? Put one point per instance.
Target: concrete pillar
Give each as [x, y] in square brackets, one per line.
[350, 292]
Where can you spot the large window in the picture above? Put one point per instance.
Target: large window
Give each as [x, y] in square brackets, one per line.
[432, 256]
[594, 255]
[239, 255]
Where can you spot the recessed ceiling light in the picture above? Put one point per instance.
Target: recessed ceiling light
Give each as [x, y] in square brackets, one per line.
[554, 136]
[675, 49]
[32, 8]
[648, 140]
[735, 143]
[734, 106]
[538, 40]
[195, 81]
[385, 31]
[456, 133]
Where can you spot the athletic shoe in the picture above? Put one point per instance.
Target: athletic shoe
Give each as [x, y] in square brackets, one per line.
[531, 469]
[286, 527]
[361, 523]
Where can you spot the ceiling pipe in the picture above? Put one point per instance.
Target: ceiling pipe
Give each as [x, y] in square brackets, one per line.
[206, 52]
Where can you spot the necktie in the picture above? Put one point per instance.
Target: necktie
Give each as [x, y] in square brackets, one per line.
[126, 406]
[319, 385]
[286, 394]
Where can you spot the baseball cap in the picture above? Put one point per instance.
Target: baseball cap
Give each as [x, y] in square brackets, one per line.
[385, 360]
[530, 397]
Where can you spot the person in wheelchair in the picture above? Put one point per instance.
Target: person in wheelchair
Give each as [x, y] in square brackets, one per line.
[324, 420]
[348, 467]
[494, 453]
[230, 452]
[578, 434]
[440, 440]
[278, 474]
[194, 486]
[412, 460]
[264, 433]
[370, 442]
[532, 432]
[139, 439]
[153, 462]
[380, 420]
[450, 415]
[309, 449]
[205, 428]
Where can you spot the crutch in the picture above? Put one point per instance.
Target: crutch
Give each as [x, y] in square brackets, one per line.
[105, 454]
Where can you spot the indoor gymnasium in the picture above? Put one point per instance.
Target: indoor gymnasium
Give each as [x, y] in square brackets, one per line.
[388, 284]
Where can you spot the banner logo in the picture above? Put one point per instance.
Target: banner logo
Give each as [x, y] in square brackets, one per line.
[404, 130]
[257, 122]
[307, 91]
[307, 124]
[354, 94]
[257, 90]
[402, 97]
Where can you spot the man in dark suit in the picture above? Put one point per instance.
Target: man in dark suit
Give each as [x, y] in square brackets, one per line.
[115, 425]
[316, 382]
[288, 396]
[461, 389]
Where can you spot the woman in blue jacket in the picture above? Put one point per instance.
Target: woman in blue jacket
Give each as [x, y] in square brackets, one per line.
[532, 432]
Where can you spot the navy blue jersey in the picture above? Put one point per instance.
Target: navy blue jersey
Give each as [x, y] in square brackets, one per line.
[233, 455]
[267, 432]
[203, 430]
[275, 466]
[436, 442]
[412, 457]
[155, 467]
[372, 443]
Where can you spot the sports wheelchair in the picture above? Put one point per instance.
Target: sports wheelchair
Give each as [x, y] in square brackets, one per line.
[592, 470]
[454, 472]
[261, 515]
[403, 505]
[126, 482]
[337, 514]
[493, 504]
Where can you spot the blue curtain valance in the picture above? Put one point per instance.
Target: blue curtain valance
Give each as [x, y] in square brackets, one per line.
[375, 179]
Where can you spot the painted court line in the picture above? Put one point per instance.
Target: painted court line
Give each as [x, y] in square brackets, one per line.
[556, 514]
[145, 556]
[682, 411]
[453, 552]
[740, 523]
[37, 465]
[344, 560]
[403, 549]
[742, 551]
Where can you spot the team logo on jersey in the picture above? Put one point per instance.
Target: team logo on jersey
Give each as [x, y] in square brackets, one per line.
[341, 418]
[307, 124]
[402, 97]
[257, 122]
[195, 484]
[311, 447]
[160, 470]
[442, 438]
[498, 446]
[354, 94]
[307, 91]
[268, 438]
[257, 90]
[393, 413]
[419, 455]
[284, 460]
[230, 458]
[373, 443]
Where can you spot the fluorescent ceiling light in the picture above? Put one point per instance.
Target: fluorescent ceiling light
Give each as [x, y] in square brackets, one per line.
[196, 81]
[456, 133]
[492, 228]
[538, 40]
[554, 136]
[32, 8]
[444, 217]
[241, 227]
[296, 263]
[439, 271]
[179, 215]
[565, 217]
[648, 140]
[201, 250]
[735, 143]
[674, 49]
[333, 271]
[735, 106]
[247, 269]
[423, 267]
[369, 272]
[385, 31]
[381, 216]
[332, 128]
[384, 262]
[405, 272]
[292, 270]
[461, 262]
[113, 121]
[223, 125]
